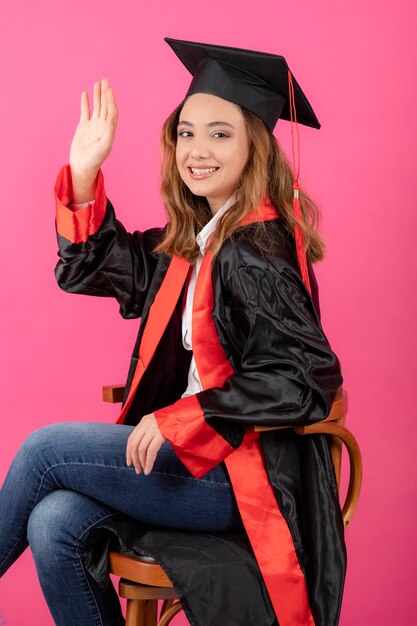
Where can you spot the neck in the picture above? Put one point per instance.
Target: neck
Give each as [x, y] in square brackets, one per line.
[216, 204]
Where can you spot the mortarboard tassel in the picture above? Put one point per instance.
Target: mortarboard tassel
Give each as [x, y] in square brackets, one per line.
[299, 242]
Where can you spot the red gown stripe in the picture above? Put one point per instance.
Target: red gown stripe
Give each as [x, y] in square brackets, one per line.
[269, 534]
[77, 226]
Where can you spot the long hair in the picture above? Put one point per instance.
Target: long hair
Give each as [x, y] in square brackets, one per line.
[267, 172]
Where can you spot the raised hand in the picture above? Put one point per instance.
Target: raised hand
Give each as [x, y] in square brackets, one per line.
[94, 136]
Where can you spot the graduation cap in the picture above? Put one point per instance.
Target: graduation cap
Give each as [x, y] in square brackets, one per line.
[255, 80]
[259, 81]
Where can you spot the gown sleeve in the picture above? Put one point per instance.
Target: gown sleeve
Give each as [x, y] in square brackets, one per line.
[286, 374]
[97, 256]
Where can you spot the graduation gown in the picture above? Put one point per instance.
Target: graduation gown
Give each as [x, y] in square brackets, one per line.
[262, 358]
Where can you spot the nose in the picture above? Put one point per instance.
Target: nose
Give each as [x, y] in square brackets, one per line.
[199, 150]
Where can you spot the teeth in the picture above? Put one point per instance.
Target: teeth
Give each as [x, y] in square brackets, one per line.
[198, 171]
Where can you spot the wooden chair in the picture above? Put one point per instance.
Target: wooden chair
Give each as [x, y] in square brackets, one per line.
[143, 582]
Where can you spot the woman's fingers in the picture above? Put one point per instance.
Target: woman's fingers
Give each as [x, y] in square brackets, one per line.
[111, 105]
[111, 120]
[128, 454]
[96, 99]
[143, 449]
[148, 449]
[143, 444]
[94, 136]
[134, 453]
[103, 98]
[85, 108]
[103, 102]
[151, 453]
[132, 448]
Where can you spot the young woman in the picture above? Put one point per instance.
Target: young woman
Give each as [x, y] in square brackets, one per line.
[230, 337]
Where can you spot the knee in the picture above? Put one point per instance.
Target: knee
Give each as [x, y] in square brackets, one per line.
[48, 527]
[37, 439]
[42, 436]
[31, 452]
[40, 442]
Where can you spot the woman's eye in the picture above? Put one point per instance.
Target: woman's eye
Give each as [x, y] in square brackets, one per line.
[189, 134]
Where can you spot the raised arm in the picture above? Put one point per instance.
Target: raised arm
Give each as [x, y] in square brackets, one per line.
[97, 255]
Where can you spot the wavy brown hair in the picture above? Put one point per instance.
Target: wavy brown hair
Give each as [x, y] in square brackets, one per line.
[266, 172]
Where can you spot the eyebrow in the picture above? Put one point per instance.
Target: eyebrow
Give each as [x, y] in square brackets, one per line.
[209, 124]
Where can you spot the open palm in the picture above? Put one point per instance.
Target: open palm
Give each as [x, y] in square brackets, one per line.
[94, 135]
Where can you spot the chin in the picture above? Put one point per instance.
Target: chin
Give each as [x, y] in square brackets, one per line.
[201, 189]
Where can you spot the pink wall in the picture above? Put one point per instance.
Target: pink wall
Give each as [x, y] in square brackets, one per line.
[356, 62]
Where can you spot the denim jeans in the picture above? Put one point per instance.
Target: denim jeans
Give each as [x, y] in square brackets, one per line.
[68, 477]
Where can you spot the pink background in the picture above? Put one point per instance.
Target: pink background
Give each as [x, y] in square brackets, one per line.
[356, 62]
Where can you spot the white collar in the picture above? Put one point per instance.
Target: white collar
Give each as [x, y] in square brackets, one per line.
[209, 228]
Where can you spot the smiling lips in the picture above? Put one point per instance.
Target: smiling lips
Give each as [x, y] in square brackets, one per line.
[201, 172]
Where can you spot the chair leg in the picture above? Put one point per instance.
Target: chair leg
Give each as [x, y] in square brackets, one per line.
[141, 612]
[165, 606]
[169, 614]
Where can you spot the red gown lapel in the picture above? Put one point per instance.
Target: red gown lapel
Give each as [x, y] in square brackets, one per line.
[159, 315]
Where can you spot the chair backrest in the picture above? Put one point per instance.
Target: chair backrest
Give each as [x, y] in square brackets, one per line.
[334, 426]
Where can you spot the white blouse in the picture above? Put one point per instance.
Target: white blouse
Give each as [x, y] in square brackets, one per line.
[194, 384]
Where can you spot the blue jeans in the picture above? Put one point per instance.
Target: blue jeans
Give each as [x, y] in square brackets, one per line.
[69, 477]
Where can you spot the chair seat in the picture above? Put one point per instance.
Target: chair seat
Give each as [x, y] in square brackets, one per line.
[143, 582]
[139, 569]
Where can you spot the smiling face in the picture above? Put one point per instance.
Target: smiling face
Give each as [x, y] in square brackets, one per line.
[212, 147]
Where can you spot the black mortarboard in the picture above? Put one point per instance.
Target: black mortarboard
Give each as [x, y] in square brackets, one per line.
[256, 80]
